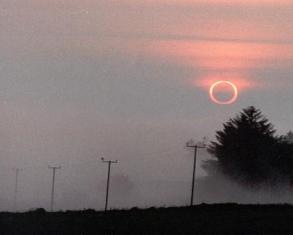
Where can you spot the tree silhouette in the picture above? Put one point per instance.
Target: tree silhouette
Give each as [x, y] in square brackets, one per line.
[248, 150]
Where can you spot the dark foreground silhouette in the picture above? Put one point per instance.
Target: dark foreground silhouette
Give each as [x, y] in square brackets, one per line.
[201, 219]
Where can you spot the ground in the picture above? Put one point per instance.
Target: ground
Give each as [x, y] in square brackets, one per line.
[202, 219]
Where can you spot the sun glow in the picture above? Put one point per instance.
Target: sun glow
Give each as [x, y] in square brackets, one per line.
[219, 83]
[242, 83]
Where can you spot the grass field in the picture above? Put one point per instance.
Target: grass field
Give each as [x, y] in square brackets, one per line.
[202, 219]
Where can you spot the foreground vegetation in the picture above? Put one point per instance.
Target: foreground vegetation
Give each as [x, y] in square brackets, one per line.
[201, 219]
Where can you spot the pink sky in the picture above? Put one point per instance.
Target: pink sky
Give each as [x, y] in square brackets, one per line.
[79, 77]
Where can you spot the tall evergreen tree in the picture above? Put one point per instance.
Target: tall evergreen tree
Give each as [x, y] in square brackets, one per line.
[248, 150]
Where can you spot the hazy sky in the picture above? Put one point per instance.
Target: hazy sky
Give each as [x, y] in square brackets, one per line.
[129, 80]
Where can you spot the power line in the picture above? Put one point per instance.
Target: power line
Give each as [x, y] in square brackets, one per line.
[16, 188]
[190, 144]
[54, 168]
[109, 162]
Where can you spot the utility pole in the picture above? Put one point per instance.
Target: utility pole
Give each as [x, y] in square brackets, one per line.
[109, 162]
[190, 144]
[16, 188]
[54, 168]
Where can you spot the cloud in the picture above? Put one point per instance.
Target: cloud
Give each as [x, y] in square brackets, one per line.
[260, 3]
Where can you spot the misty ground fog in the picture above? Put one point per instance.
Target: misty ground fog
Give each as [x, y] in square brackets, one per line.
[154, 168]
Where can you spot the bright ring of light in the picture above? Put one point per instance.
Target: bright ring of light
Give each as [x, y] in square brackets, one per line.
[230, 101]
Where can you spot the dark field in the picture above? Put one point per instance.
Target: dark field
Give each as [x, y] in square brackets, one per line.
[201, 219]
